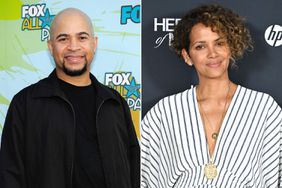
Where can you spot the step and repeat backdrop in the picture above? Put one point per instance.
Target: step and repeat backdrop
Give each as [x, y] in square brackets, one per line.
[25, 59]
[163, 73]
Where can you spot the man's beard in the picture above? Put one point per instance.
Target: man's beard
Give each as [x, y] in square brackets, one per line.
[79, 72]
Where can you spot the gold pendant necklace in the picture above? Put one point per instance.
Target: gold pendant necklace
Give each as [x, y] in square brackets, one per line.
[214, 136]
[210, 170]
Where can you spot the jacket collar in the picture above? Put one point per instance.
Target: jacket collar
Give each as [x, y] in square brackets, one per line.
[49, 87]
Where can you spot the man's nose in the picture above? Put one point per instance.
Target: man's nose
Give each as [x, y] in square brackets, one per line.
[74, 44]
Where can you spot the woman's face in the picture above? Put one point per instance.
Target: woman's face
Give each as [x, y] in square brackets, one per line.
[208, 52]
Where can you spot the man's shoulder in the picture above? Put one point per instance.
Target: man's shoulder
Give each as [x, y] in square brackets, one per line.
[105, 91]
[115, 92]
[28, 90]
[116, 95]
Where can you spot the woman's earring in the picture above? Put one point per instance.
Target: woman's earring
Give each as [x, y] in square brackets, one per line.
[186, 57]
[188, 61]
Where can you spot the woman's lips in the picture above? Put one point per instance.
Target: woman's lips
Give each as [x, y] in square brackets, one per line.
[214, 64]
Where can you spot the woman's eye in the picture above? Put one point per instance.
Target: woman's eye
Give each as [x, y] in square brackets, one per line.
[199, 47]
[220, 43]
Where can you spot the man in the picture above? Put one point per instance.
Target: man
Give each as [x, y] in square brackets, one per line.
[68, 130]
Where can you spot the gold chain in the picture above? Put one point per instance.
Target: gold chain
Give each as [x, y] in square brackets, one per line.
[215, 135]
[210, 169]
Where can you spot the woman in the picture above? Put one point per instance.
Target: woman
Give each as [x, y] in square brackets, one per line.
[218, 133]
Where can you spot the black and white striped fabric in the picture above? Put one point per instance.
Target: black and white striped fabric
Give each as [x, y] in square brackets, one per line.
[248, 152]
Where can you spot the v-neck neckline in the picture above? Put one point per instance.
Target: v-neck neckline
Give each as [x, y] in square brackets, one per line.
[222, 127]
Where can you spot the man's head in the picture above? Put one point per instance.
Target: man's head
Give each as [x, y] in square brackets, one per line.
[72, 43]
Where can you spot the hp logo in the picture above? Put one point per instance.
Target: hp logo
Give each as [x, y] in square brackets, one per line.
[273, 35]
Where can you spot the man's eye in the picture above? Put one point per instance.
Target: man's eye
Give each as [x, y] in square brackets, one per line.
[62, 39]
[83, 38]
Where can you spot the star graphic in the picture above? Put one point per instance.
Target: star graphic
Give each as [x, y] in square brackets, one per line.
[132, 89]
[47, 19]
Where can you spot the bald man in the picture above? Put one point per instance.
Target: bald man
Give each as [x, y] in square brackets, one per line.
[68, 130]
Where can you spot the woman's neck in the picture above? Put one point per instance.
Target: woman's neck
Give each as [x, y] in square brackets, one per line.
[214, 89]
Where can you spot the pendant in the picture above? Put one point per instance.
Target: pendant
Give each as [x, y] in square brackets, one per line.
[210, 171]
[214, 136]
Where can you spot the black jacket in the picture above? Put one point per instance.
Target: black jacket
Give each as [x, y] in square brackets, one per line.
[37, 147]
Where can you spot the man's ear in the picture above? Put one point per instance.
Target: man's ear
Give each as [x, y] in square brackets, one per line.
[186, 57]
[95, 43]
[50, 46]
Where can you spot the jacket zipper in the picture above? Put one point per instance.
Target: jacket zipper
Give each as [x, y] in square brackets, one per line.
[72, 164]
[98, 109]
[73, 144]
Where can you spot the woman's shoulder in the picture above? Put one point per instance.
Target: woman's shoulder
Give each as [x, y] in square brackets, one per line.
[171, 100]
[177, 97]
[255, 92]
[180, 95]
[263, 97]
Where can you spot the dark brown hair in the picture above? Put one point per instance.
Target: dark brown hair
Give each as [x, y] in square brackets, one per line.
[222, 21]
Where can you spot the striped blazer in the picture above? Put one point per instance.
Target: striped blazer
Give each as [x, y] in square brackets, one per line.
[248, 151]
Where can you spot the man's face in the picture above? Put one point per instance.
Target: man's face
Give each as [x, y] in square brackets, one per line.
[72, 44]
